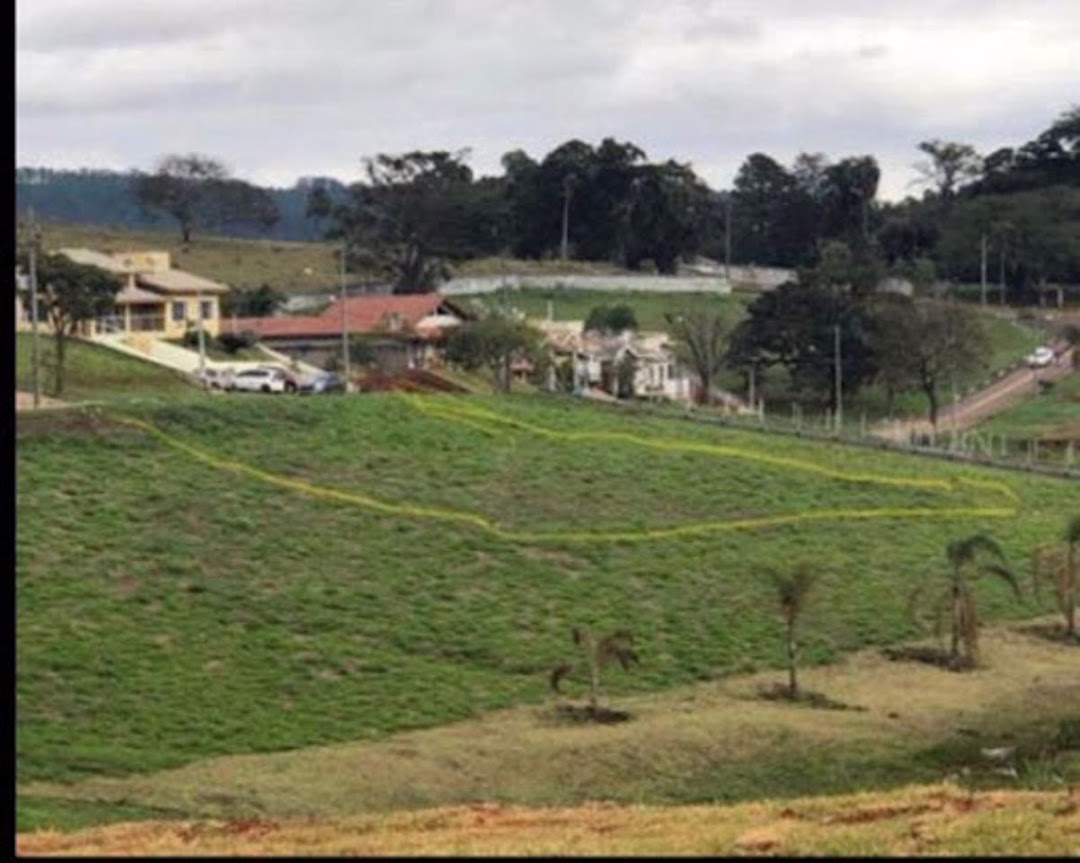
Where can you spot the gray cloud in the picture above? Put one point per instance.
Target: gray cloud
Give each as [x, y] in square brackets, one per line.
[280, 89]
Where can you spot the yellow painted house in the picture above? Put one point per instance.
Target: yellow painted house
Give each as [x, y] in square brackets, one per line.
[156, 299]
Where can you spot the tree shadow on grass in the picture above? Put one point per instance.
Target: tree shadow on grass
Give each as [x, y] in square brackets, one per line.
[1053, 632]
[929, 656]
[818, 700]
[583, 714]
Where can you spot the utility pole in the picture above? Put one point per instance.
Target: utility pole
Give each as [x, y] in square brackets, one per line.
[344, 319]
[727, 237]
[202, 335]
[753, 395]
[35, 352]
[839, 382]
[982, 266]
[952, 365]
[568, 184]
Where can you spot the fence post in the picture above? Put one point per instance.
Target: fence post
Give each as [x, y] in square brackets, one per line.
[1069, 454]
[862, 425]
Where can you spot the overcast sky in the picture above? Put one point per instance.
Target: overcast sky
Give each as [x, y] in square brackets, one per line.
[279, 89]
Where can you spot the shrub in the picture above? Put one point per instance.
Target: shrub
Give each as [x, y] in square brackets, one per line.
[233, 342]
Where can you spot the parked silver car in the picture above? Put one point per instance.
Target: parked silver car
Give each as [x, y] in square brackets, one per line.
[326, 383]
[262, 381]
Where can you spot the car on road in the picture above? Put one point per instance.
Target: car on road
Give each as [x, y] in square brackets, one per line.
[262, 381]
[1040, 358]
[326, 383]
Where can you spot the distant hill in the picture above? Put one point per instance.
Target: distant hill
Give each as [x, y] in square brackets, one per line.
[102, 197]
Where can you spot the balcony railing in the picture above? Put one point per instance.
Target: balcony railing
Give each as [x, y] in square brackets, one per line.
[138, 324]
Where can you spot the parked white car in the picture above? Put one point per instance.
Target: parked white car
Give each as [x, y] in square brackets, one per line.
[261, 381]
[215, 379]
[1040, 358]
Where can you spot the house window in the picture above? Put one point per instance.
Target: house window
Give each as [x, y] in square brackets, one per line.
[206, 310]
[671, 370]
[179, 312]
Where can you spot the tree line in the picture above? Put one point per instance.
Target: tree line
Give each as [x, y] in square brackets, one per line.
[1009, 220]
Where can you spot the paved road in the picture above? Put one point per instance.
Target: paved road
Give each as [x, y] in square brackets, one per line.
[979, 406]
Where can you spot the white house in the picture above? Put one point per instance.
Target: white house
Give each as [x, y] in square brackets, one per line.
[596, 357]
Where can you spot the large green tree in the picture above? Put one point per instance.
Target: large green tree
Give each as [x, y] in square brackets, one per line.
[610, 319]
[796, 325]
[197, 192]
[606, 203]
[494, 342]
[949, 166]
[1032, 238]
[924, 344]
[406, 220]
[850, 188]
[71, 294]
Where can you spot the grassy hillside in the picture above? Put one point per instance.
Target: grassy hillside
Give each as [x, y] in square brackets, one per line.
[280, 573]
[1054, 413]
[706, 742]
[93, 373]
[294, 268]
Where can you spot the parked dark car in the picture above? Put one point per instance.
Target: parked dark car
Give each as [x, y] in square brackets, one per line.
[323, 384]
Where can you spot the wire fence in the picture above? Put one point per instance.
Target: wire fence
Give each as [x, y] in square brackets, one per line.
[987, 449]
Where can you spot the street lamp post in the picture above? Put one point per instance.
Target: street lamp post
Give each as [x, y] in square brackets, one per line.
[35, 352]
[344, 320]
[727, 237]
[202, 335]
[839, 383]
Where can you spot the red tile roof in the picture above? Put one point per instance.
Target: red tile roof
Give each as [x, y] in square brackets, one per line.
[364, 315]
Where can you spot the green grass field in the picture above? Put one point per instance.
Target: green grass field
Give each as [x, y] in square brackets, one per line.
[94, 373]
[261, 579]
[295, 268]
[291, 267]
[1051, 413]
[1051, 419]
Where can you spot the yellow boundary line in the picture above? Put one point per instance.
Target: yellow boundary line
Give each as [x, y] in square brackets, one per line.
[476, 418]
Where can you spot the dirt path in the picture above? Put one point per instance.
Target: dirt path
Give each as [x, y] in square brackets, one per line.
[981, 405]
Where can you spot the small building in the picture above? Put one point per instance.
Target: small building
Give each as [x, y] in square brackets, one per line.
[596, 359]
[155, 299]
[403, 331]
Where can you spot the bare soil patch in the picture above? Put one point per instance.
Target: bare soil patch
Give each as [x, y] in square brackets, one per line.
[24, 401]
[934, 819]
